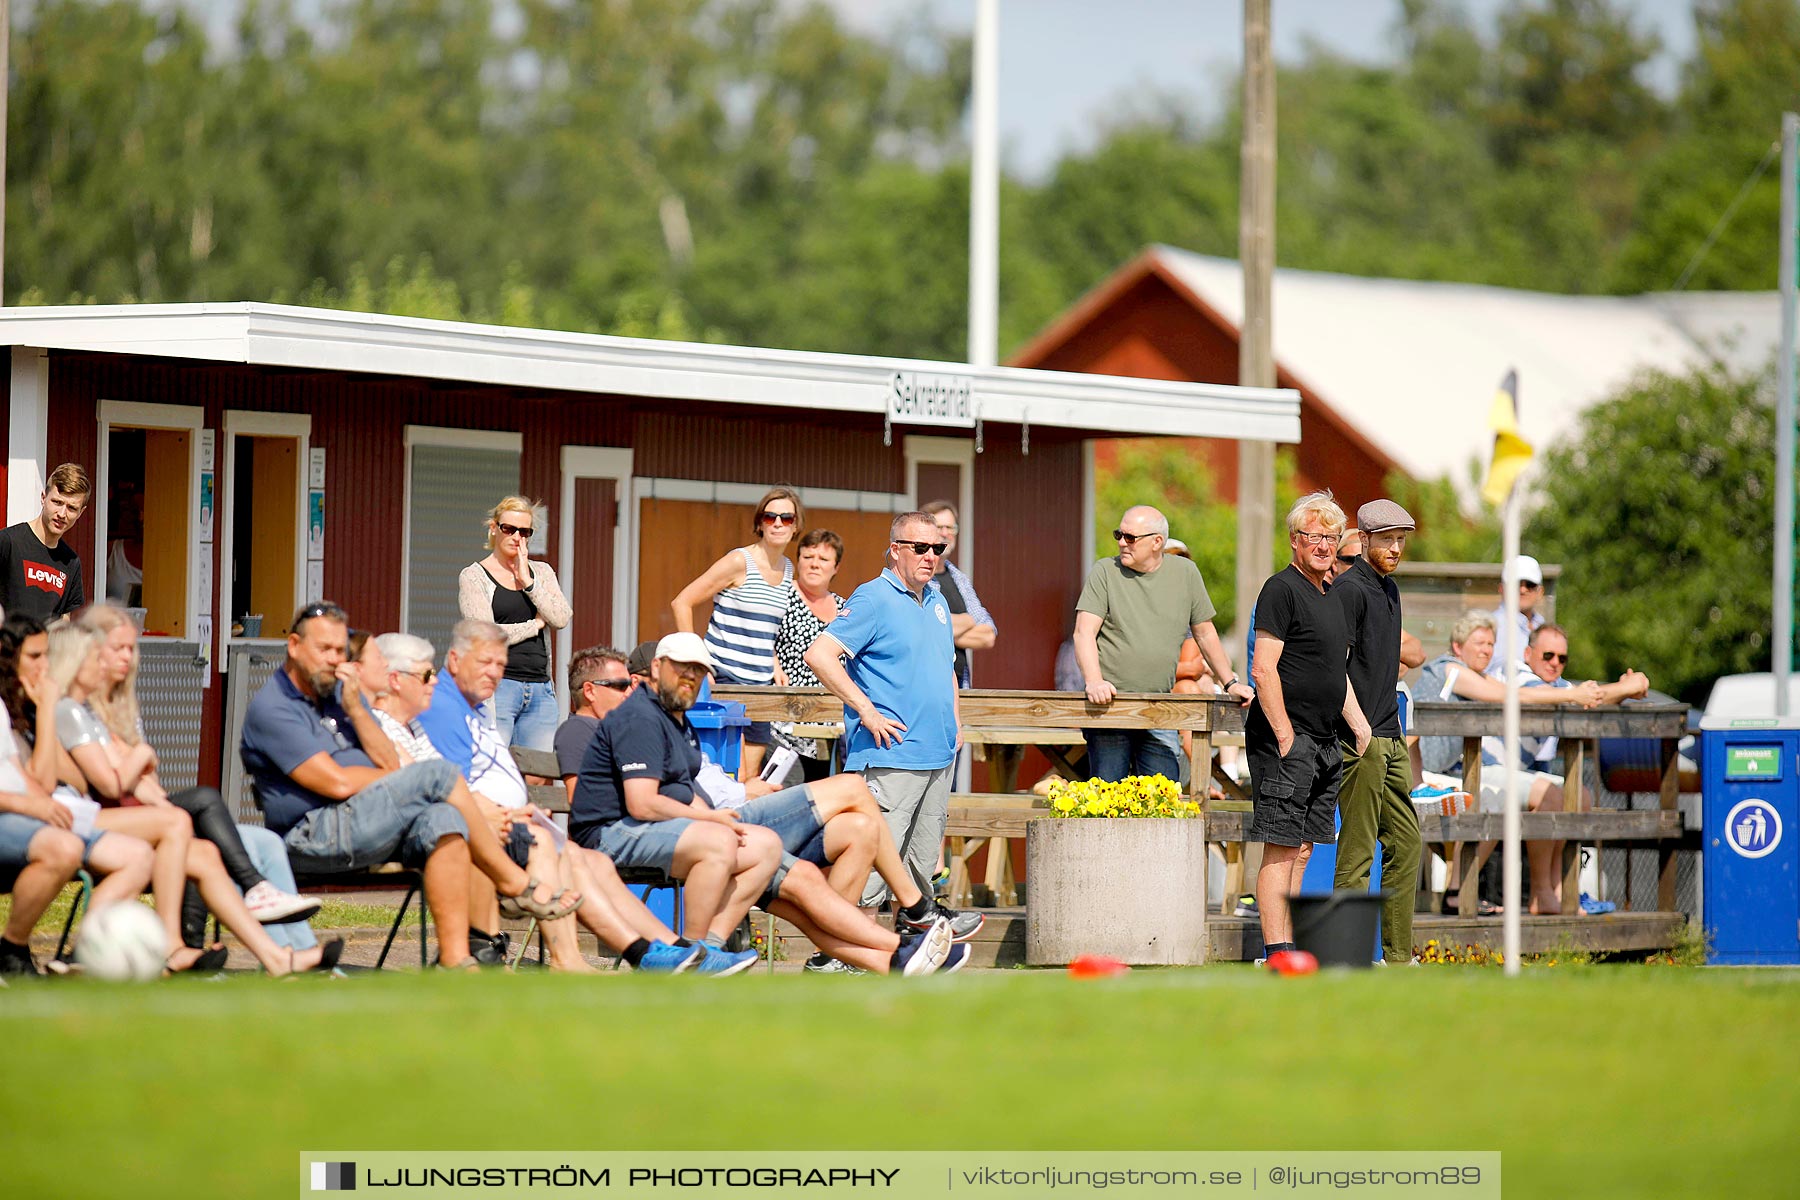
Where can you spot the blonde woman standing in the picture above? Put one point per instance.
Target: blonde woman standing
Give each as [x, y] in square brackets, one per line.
[524, 599]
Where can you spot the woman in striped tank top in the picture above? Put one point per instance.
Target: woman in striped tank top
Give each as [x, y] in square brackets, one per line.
[750, 588]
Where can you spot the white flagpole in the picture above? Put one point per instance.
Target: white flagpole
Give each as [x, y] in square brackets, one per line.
[1510, 651]
[984, 191]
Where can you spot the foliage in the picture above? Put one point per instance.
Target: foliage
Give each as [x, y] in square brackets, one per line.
[754, 171]
[1133, 796]
[1446, 531]
[1661, 502]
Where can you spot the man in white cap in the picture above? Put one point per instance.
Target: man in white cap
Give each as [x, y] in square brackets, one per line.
[1375, 797]
[1525, 574]
[637, 801]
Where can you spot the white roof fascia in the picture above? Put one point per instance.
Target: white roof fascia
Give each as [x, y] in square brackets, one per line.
[329, 340]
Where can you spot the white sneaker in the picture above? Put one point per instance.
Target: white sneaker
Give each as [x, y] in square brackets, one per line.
[272, 906]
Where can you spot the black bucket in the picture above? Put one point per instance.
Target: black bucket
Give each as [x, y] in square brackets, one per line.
[1340, 930]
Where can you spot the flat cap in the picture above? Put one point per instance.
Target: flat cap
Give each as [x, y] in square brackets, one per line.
[1379, 515]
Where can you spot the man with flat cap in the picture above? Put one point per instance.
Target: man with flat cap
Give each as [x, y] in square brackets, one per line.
[1375, 799]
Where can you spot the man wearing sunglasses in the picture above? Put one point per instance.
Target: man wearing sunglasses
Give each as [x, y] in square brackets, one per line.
[599, 680]
[1529, 576]
[901, 721]
[1134, 613]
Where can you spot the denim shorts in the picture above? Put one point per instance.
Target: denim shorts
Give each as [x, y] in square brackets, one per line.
[16, 832]
[400, 817]
[647, 845]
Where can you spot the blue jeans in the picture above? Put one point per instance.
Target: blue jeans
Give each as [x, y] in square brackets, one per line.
[526, 714]
[1114, 754]
[269, 855]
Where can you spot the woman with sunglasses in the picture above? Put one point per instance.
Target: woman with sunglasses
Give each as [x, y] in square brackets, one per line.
[524, 599]
[750, 588]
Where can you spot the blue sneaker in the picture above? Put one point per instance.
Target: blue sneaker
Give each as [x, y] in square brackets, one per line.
[955, 960]
[665, 959]
[726, 962]
[1596, 908]
[923, 953]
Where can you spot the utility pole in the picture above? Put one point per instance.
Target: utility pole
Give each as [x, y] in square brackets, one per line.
[1784, 419]
[1256, 351]
[984, 191]
[5, 87]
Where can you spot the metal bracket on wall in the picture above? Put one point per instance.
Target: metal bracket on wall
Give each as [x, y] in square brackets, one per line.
[1025, 432]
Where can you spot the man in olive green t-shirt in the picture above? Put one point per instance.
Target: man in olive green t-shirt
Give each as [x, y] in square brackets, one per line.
[1133, 613]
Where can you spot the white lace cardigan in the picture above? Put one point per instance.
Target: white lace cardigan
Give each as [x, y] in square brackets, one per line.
[475, 597]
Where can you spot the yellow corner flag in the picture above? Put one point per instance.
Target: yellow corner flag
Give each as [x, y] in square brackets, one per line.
[1511, 452]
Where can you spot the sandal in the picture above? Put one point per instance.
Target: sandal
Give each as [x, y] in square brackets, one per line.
[329, 954]
[209, 961]
[514, 908]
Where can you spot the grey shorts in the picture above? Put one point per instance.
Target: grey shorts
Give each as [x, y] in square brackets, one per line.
[16, 833]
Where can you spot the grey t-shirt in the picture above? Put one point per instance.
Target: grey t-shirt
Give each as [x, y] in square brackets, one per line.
[1143, 617]
[76, 725]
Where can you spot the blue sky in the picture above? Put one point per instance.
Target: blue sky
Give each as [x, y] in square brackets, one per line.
[1069, 67]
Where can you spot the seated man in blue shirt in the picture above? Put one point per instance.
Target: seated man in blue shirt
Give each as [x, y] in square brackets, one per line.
[457, 729]
[636, 800]
[331, 785]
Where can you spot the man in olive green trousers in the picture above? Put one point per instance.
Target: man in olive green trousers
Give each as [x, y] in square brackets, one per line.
[1375, 797]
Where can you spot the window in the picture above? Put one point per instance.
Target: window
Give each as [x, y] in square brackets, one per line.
[453, 477]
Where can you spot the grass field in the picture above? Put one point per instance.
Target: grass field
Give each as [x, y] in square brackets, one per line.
[1597, 1081]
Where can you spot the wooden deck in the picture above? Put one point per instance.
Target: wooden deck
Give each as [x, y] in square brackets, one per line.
[1001, 942]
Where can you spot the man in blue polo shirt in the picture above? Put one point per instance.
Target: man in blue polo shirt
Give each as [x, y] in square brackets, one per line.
[331, 785]
[901, 724]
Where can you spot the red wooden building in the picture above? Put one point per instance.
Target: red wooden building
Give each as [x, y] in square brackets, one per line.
[254, 456]
[1148, 320]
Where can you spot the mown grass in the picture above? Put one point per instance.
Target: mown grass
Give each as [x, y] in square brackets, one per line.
[1603, 1081]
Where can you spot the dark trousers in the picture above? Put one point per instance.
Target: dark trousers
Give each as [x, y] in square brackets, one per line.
[212, 821]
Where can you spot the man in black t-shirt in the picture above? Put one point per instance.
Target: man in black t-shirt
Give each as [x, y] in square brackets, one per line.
[1375, 800]
[1302, 689]
[40, 574]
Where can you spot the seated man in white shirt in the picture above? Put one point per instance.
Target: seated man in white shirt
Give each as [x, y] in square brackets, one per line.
[452, 721]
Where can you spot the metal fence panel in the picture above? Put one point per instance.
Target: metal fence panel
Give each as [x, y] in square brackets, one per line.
[251, 667]
[171, 692]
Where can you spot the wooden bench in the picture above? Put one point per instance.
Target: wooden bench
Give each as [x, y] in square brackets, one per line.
[1578, 731]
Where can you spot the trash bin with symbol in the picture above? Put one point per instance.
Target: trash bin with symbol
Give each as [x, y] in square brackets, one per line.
[1750, 802]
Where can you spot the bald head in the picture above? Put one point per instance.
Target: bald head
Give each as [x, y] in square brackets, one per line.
[1140, 537]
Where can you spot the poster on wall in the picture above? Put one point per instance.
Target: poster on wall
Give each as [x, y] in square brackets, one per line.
[205, 572]
[207, 438]
[204, 625]
[315, 510]
[315, 580]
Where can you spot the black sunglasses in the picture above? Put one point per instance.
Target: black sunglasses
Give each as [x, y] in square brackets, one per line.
[509, 530]
[775, 518]
[924, 548]
[617, 685]
[1347, 559]
[1131, 539]
[425, 676]
[1553, 656]
[320, 608]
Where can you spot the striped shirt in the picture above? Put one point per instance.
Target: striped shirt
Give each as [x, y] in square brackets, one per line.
[745, 620]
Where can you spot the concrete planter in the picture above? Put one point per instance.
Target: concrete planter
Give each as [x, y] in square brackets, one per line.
[1133, 888]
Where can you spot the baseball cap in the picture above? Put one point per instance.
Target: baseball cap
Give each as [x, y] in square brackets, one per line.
[1524, 569]
[684, 648]
[638, 661]
[1379, 515]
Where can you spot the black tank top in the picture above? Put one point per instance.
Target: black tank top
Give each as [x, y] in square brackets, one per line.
[527, 661]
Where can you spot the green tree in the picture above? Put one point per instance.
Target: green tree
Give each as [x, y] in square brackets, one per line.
[1446, 531]
[1660, 507]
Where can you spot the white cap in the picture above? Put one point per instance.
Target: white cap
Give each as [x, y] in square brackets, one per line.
[1524, 569]
[685, 648]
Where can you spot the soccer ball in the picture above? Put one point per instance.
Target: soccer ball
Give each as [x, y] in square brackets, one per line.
[122, 942]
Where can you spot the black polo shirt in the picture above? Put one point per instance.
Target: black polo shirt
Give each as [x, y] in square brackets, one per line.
[1310, 625]
[637, 740]
[1371, 604]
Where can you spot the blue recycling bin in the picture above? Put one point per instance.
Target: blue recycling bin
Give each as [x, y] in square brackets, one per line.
[1750, 798]
[719, 725]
